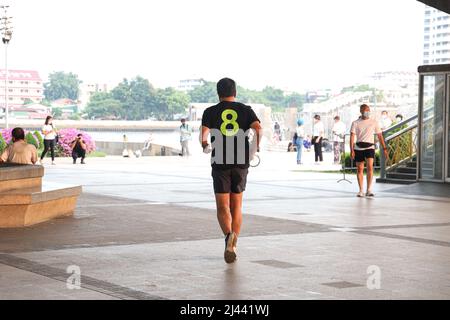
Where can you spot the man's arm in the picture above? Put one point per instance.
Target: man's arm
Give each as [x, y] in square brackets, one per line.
[256, 125]
[34, 156]
[383, 145]
[204, 131]
[352, 145]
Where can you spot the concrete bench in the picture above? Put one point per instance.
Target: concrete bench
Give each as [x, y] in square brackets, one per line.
[25, 200]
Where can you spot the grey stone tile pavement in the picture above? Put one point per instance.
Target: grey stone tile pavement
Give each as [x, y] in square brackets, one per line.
[146, 229]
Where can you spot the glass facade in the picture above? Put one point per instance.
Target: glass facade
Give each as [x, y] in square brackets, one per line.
[434, 157]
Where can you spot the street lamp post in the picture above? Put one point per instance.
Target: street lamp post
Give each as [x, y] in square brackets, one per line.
[6, 31]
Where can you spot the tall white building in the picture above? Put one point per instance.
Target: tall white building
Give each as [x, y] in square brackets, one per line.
[436, 48]
[88, 89]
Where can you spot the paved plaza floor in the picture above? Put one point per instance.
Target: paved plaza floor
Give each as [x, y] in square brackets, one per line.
[146, 229]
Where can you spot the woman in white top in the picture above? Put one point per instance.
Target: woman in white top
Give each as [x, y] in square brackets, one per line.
[318, 134]
[299, 142]
[49, 133]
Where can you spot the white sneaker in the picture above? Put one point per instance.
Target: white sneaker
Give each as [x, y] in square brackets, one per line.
[360, 195]
[53, 163]
[41, 162]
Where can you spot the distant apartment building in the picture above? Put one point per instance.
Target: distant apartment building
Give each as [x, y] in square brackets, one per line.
[87, 90]
[190, 84]
[23, 86]
[436, 48]
[400, 89]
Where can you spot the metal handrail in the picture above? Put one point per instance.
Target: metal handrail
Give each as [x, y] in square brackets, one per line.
[399, 133]
[389, 138]
[399, 125]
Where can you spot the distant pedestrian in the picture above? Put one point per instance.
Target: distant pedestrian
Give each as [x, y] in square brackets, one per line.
[300, 132]
[78, 149]
[385, 121]
[398, 118]
[277, 131]
[125, 152]
[318, 135]
[339, 129]
[50, 137]
[307, 143]
[185, 137]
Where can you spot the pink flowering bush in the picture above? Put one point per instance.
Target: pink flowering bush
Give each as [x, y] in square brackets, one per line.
[33, 138]
[66, 136]
[6, 134]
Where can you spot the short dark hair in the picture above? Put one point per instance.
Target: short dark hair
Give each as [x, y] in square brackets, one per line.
[317, 117]
[363, 106]
[384, 111]
[226, 87]
[337, 118]
[18, 134]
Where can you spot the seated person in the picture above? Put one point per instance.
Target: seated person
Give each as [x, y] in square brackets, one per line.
[20, 152]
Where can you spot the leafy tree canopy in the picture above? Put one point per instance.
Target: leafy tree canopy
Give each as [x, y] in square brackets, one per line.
[62, 85]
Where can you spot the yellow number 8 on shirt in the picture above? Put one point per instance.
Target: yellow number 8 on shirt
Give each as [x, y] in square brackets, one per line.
[227, 122]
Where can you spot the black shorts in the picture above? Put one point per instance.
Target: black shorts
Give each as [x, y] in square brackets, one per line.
[229, 180]
[362, 155]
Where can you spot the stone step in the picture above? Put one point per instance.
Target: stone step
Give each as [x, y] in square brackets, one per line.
[26, 207]
[412, 164]
[395, 181]
[13, 177]
[401, 176]
[406, 170]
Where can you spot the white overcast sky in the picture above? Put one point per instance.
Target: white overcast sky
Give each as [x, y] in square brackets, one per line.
[291, 44]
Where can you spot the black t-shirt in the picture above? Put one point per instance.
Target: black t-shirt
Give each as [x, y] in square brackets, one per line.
[229, 123]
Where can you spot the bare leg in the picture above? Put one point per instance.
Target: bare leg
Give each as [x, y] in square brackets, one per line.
[360, 175]
[236, 212]
[223, 212]
[369, 174]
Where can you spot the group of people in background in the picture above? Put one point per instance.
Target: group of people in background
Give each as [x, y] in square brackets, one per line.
[21, 152]
[302, 141]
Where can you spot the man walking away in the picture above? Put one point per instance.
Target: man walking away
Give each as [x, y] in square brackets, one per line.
[318, 134]
[338, 139]
[229, 123]
[78, 149]
[20, 152]
[362, 146]
[185, 136]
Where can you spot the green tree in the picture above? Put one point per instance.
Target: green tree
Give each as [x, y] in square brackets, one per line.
[170, 102]
[30, 139]
[207, 93]
[57, 113]
[103, 105]
[62, 85]
[2, 143]
[137, 97]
